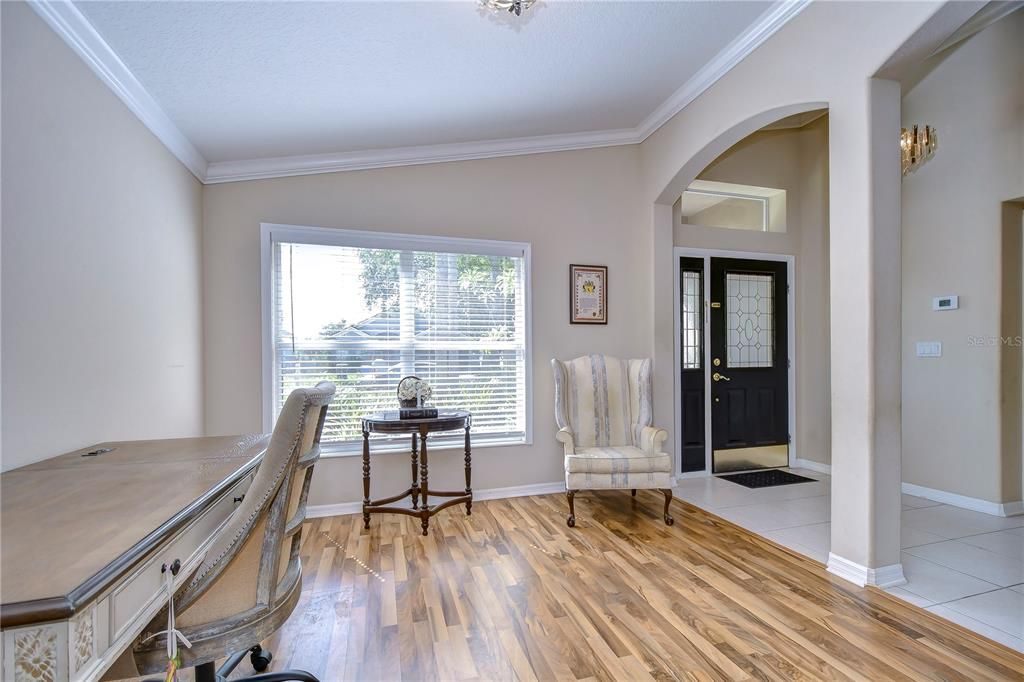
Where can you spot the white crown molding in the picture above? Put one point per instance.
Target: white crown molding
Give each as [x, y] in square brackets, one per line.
[883, 576]
[986, 16]
[80, 35]
[965, 502]
[761, 30]
[71, 25]
[285, 166]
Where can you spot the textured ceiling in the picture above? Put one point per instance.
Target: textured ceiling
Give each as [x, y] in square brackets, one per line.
[245, 80]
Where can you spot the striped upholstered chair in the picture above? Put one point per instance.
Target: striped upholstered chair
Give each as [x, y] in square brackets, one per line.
[603, 410]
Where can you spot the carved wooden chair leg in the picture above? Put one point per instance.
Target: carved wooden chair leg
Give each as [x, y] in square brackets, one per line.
[667, 492]
[633, 492]
[571, 520]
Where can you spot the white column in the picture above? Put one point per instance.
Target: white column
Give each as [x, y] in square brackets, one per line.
[865, 342]
[663, 350]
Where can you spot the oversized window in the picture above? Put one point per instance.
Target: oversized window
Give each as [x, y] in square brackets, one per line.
[364, 309]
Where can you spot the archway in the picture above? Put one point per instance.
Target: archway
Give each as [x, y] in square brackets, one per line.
[713, 149]
[863, 380]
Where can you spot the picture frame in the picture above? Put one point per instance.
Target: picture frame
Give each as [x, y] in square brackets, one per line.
[588, 294]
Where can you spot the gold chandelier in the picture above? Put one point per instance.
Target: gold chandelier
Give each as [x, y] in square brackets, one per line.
[916, 146]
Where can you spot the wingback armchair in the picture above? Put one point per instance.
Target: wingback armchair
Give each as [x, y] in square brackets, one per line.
[603, 410]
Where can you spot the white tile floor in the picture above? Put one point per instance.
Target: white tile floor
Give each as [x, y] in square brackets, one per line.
[965, 566]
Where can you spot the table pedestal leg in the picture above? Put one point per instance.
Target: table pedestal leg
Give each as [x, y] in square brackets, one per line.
[366, 479]
[424, 483]
[415, 473]
[469, 474]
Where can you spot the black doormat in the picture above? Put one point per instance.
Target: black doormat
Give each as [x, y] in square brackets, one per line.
[766, 478]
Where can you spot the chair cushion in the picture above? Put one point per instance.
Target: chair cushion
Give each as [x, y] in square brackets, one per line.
[659, 480]
[617, 460]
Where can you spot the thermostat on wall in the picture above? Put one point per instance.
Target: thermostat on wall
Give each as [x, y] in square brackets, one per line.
[945, 303]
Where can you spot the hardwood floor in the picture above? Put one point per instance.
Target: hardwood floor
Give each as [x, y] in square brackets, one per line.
[512, 593]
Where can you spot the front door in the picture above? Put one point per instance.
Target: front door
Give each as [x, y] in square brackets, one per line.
[749, 364]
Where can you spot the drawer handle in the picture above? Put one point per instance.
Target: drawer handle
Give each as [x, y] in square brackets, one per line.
[173, 568]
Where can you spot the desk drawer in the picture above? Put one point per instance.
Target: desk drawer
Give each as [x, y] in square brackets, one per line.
[143, 594]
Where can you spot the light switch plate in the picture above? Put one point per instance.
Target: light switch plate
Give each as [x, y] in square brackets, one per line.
[951, 302]
[929, 349]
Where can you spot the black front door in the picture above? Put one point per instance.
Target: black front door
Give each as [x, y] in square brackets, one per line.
[749, 364]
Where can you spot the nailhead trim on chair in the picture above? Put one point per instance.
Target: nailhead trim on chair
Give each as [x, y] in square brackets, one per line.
[243, 531]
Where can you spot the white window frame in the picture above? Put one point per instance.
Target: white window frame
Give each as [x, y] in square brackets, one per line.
[271, 233]
[734, 195]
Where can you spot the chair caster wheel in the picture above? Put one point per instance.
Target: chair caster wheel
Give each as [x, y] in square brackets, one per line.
[260, 659]
[669, 521]
[571, 521]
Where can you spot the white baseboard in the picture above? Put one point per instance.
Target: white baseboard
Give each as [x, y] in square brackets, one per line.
[883, 576]
[317, 511]
[1013, 508]
[812, 465]
[519, 491]
[965, 502]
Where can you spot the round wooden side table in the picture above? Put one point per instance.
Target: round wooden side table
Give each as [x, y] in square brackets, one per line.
[420, 492]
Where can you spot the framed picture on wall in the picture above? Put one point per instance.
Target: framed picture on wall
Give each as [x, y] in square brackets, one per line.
[588, 292]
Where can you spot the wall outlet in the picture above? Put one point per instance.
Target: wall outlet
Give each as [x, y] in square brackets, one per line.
[929, 349]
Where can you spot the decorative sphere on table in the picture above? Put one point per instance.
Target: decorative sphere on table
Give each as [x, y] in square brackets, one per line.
[413, 392]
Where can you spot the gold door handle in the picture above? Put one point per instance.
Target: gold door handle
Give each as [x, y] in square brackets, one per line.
[719, 377]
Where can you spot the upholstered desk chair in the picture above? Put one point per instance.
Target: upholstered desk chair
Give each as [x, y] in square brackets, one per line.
[250, 580]
[603, 410]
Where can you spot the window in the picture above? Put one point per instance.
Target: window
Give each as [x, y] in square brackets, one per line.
[749, 306]
[740, 207]
[364, 309]
[692, 313]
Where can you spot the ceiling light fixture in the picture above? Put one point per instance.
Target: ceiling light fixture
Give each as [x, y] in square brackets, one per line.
[516, 7]
[916, 147]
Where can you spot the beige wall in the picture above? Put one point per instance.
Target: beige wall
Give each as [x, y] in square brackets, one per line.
[729, 213]
[795, 160]
[952, 244]
[101, 263]
[573, 207]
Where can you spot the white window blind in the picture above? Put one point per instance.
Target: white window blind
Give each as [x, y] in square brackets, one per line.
[363, 311]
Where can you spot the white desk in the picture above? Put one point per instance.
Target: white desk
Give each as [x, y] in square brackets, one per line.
[83, 540]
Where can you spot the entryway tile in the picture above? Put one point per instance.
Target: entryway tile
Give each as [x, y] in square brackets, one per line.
[953, 522]
[983, 629]
[775, 515]
[939, 583]
[714, 493]
[816, 535]
[813, 540]
[913, 502]
[909, 597]
[1003, 609]
[974, 561]
[913, 537]
[1008, 543]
